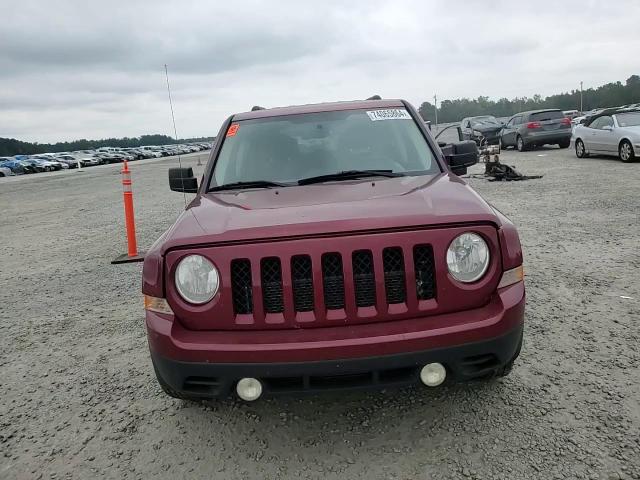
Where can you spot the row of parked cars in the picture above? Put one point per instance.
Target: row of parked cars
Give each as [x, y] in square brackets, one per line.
[45, 162]
[612, 131]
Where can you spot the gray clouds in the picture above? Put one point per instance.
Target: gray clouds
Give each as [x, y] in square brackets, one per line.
[83, 69]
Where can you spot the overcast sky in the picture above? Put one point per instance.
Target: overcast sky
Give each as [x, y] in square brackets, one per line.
[85, 69]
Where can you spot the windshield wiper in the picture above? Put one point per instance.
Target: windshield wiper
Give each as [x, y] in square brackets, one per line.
[348, 175]
[251, 184]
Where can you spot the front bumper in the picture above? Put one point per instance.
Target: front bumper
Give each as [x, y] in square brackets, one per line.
[470, 344]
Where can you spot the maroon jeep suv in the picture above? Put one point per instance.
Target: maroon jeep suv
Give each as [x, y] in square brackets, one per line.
[331, 246]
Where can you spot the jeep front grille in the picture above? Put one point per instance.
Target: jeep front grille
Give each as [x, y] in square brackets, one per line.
[372, 278]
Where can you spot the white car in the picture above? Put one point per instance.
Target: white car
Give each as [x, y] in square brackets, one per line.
[611, 132]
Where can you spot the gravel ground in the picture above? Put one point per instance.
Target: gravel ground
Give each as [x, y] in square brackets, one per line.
[79, 399]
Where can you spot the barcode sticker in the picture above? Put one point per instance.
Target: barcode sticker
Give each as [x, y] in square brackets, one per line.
[389, 114]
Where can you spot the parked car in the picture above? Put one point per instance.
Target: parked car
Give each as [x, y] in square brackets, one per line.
[391, 270]
[5, 171]
[535, 128]
[484, 129]
[612, 132]
[15, 166]
[108, 157]
[48, 162]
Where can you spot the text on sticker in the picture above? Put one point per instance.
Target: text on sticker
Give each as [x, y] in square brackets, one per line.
[389, 114]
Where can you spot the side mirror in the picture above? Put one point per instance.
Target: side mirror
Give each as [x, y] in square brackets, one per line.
[182, 180]
[460, 156]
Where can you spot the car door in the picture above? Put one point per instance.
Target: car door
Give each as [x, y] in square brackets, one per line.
[601, 134]
[608, 136]
[467, 133]
[508, 133]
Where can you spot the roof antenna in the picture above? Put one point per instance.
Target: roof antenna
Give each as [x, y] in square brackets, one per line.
[175, 133]
[375, 97]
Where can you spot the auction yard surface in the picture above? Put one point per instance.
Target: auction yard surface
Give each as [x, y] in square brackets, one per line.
[79, 399]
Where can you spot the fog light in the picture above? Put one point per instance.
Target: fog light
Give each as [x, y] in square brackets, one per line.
[433, 374]
[249, 389]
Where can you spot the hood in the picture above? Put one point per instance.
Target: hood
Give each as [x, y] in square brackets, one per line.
[248, 215]
[486, 127]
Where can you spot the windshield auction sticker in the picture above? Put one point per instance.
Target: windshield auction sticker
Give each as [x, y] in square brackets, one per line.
[389, 114]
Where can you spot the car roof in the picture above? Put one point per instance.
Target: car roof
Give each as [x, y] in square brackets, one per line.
[318, 107]
[542, 110]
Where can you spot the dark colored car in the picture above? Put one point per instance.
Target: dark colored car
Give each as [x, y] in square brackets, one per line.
[484, 129]
[331, 246]
[14, 165]
[536, 128]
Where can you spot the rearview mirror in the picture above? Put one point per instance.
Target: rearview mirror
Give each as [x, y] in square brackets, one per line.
[460, 156]
[182, 180]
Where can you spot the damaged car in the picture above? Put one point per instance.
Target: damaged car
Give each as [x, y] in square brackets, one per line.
[484, 129]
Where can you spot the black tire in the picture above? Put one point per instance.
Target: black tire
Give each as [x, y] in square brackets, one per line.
[501, 143]
[564, 144]
[520, 145]
[170, 391]
[625, 151]
[580, 150]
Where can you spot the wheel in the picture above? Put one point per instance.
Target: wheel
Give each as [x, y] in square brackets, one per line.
[521, 146]
[170, 391]
[564, 144]
[625, 151]
[580, 151]
[501, 143]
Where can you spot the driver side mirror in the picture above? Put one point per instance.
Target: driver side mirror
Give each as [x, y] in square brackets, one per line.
[460, 156]
[182, 180]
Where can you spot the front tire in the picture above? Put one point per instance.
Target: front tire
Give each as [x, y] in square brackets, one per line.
[625, 151]
[520, 145]
[580, 150]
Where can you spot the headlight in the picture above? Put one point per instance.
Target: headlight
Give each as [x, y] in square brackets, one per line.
[477, 133]
[468, 257]
[197, 280]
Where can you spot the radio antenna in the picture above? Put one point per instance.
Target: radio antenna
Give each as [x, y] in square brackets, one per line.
[175, 133]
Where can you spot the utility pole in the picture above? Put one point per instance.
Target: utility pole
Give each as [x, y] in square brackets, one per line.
[580, 96]
[435, 105]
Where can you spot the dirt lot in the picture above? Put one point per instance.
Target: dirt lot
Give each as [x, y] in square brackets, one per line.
[79, 399]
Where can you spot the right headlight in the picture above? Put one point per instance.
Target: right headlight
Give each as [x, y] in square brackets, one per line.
[197, 279]
[468, 257]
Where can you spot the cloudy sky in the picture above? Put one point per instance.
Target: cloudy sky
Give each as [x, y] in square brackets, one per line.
[84, 69]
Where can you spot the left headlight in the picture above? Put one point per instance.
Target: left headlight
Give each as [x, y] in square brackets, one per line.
[197, 279]
[468, 257]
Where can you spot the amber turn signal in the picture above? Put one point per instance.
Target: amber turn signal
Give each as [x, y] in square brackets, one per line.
[512, 276]
[159, 305]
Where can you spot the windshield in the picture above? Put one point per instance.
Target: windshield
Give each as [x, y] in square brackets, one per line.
[488, 120]
[631, 119]
[290, 148]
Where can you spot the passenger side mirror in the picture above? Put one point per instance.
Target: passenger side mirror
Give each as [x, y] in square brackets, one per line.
[460, 156]
[182, 180]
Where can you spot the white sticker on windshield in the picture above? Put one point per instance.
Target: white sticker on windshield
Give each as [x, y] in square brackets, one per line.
[389, 114]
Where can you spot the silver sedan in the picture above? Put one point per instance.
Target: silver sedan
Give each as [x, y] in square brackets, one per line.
[615, 133]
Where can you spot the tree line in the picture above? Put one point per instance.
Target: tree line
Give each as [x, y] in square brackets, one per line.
[609, 95]
[11, 146]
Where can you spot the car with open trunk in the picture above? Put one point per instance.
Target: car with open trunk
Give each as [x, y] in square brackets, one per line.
[331, 246]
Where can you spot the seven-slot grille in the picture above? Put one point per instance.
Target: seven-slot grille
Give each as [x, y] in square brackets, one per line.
[302, 288]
